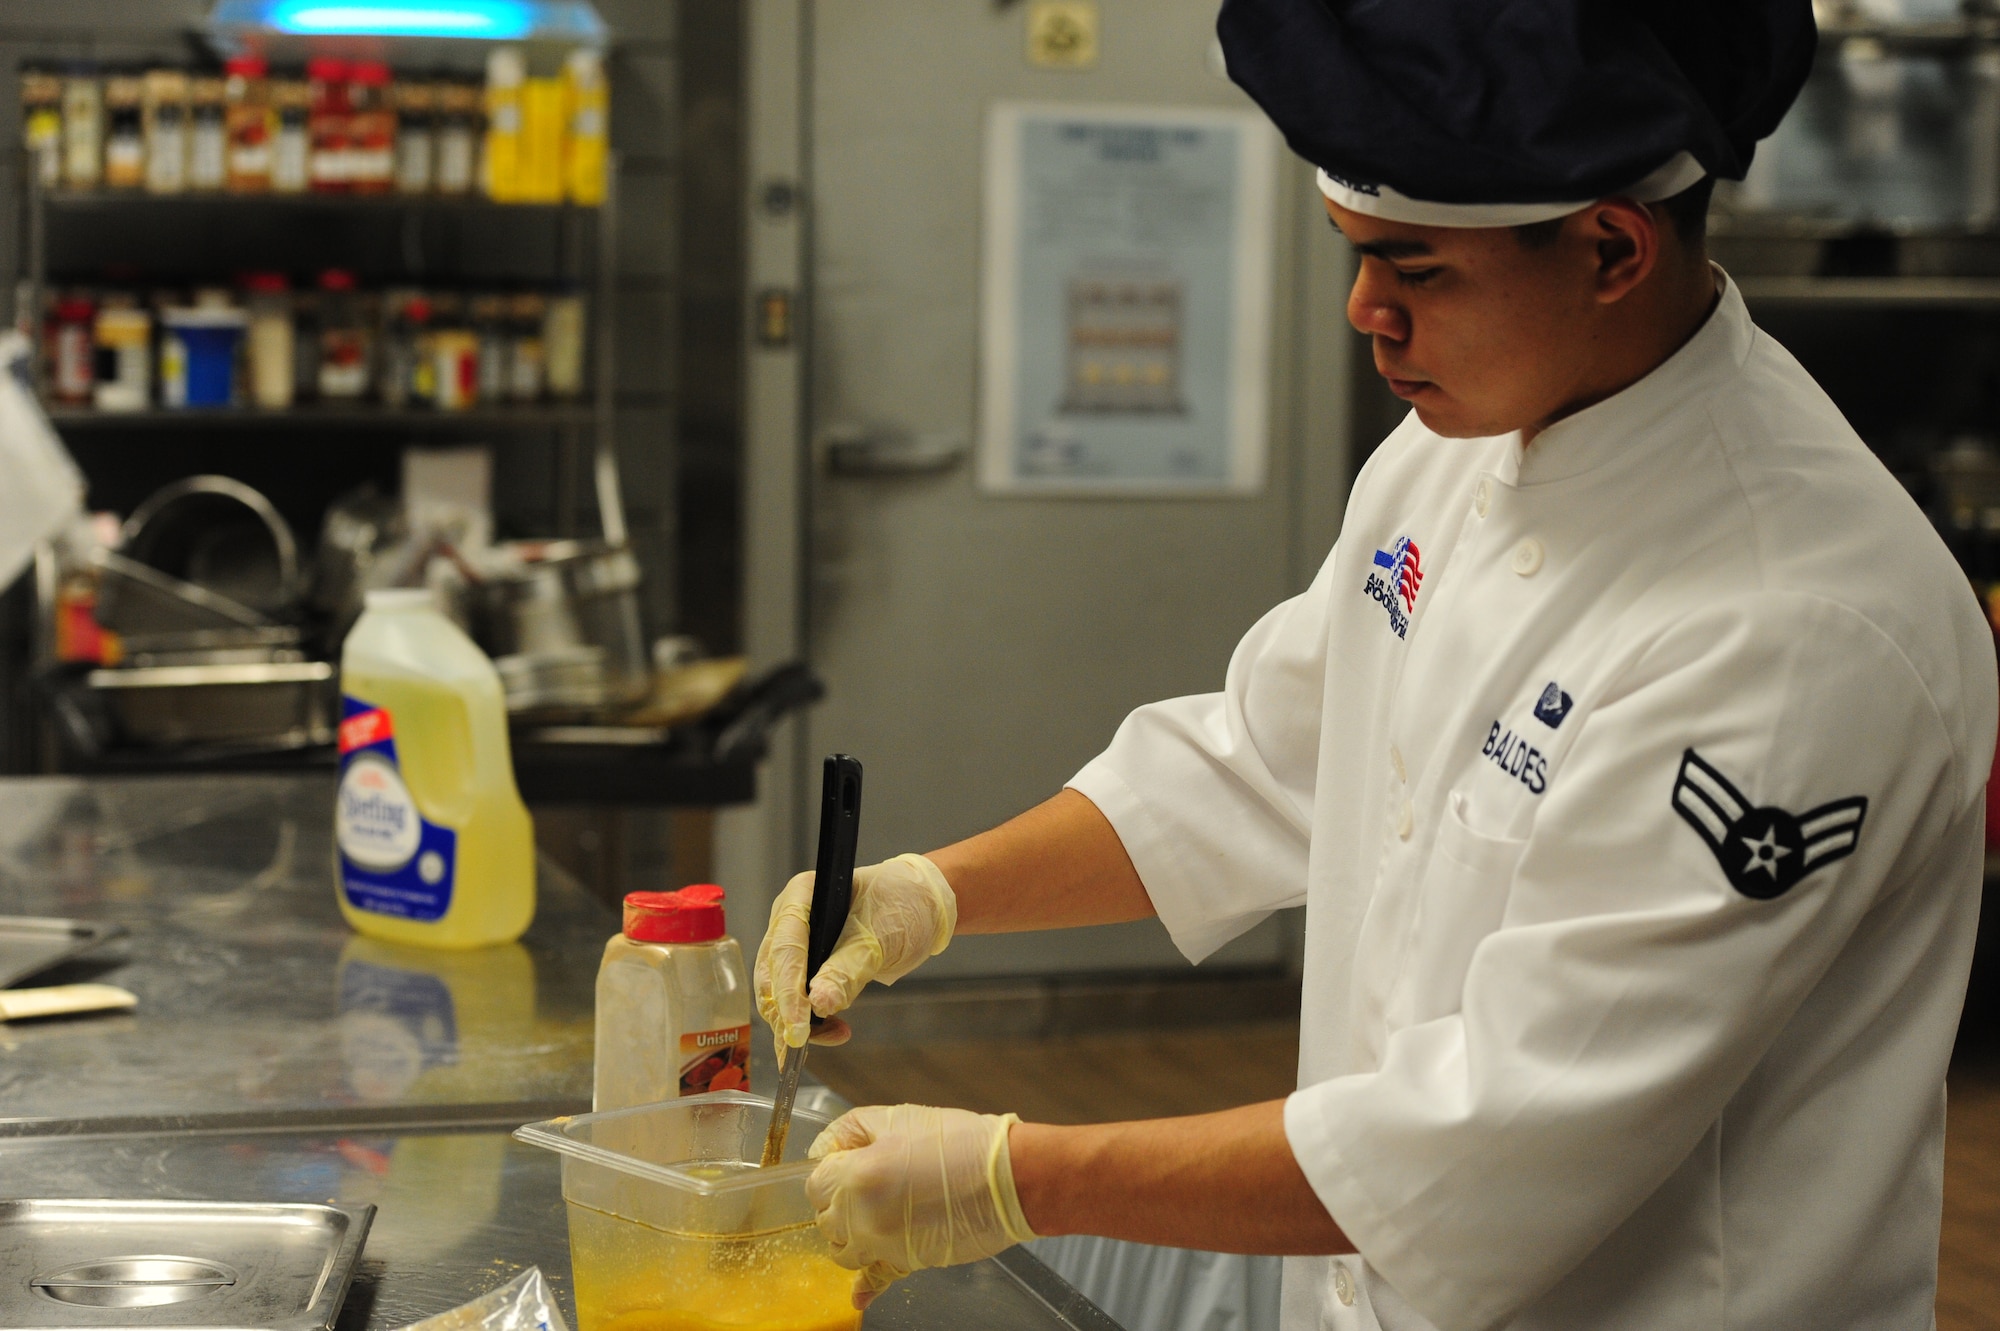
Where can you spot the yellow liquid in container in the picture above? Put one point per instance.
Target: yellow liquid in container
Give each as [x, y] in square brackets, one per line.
[433, 844]
[631, 1277]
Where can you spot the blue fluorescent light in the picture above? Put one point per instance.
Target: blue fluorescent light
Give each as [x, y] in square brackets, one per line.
[500, 20]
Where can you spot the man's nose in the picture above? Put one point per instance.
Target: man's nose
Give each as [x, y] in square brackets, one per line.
[1372, 309]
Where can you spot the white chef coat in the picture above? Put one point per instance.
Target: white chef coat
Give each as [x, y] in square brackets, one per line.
[1538, 751]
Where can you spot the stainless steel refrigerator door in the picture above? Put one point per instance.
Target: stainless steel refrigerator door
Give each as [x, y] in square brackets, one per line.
[979, 648]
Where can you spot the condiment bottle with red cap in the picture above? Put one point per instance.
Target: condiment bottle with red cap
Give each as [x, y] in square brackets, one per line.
[673, 1003]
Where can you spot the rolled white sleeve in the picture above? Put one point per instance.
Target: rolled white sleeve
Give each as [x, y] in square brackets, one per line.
[1630, 990]
[1212, 795]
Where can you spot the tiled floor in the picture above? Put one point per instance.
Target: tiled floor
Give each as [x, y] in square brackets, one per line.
[1108, 1077]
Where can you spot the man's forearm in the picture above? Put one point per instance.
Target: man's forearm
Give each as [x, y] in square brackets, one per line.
[1058, 865]
[1224, 1182]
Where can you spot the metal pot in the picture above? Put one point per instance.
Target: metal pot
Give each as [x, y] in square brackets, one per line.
[555, 605]
[221, 535]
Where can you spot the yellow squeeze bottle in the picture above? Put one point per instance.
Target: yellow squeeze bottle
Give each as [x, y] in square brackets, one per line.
[587, 104]
[432, 843]
[540, 178]
[500, 164]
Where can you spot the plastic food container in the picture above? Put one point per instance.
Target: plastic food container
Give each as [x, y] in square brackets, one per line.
[198, 356]
[672, 1227]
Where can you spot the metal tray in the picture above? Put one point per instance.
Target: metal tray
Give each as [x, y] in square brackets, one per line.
[142, 1265]
[29, 945]
[283, 704]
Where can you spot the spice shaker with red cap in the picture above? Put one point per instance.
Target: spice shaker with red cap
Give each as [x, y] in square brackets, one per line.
[673, 1002]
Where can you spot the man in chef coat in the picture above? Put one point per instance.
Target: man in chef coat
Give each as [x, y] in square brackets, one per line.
[1627, 754]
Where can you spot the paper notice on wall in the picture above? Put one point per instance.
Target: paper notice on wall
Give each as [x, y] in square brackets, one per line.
[43, 493]
[1126, 323]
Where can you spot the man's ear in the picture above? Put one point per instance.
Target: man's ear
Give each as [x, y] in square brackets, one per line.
[1626, 237]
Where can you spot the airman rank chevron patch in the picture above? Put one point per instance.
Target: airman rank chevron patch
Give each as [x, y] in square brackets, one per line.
[1763, 851]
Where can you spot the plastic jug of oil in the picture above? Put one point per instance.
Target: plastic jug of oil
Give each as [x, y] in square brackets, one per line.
[673, 1003]
[434, 846]
[673, 1227]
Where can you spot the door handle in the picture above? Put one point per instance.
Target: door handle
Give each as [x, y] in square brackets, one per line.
[856, 450]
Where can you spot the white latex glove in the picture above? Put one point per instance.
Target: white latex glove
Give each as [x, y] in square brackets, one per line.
[902, 914]
[903, 1187]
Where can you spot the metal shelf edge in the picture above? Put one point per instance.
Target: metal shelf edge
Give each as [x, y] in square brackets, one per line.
[520, 418]
[1962, 291]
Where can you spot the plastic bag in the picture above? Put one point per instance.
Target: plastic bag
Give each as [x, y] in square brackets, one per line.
[522, 1304]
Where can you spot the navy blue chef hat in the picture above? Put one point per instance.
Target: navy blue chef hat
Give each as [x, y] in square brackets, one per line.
[1505, 112]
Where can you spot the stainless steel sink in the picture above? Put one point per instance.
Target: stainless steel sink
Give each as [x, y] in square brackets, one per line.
[113, 1265]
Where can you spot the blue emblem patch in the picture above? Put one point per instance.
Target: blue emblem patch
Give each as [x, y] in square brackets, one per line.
[1553, 706]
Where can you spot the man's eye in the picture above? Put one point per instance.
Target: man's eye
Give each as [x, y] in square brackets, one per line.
[1416, 277]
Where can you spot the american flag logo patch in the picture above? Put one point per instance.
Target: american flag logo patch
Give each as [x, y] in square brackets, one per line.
[1763, 851]
[1395, 580]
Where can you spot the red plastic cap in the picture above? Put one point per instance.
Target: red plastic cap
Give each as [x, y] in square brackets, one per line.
[324, 69]
[248, 66]
[691, 915]
[336, 279]
[265, 282]
[371, 72]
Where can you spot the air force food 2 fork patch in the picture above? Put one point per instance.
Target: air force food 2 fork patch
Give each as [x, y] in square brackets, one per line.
[1763, 851]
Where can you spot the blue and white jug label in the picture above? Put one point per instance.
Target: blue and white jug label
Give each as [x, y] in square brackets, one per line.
[393, 860]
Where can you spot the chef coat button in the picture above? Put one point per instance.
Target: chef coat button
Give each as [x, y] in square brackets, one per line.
[1527, 560]
[1396, 762]
[1406, 820]
[1482, 497]
[1343, 1285]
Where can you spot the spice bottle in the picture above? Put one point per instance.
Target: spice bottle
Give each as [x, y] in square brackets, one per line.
[673, 1003]
[458, 132]
[586, 106]
[208, 134]
[271, 341]
[371, 129]
[291, 142]
[124, 133]
[506, 71]
[562, 345]
[416, 135]
[405, 335]
[489, 326]
[124, 352]
[327, 125]
[83, 131]
[453, 355]
[71, 358]
[527, 358]
[41, 125]
[344, 343]
[199, 349]
[249, 124]
[166, 110]
[305, 345]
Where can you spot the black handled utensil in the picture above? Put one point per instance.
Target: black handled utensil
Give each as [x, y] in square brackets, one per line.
[833, 892]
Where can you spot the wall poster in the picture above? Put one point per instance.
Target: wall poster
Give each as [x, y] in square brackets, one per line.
[1126, 303]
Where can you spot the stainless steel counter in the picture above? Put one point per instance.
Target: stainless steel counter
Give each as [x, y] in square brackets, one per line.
[274, 1056]
[256, 1003]
[461, 1213]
